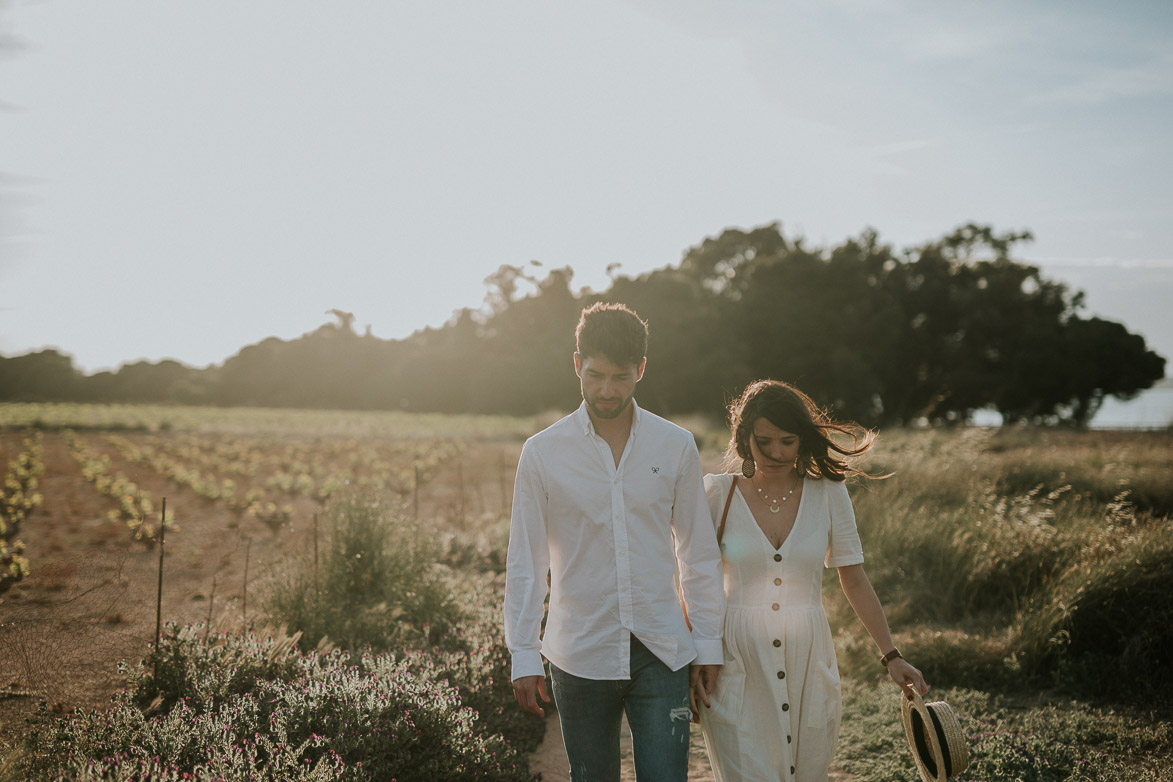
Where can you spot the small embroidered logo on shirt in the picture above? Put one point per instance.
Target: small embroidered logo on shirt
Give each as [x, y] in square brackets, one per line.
[655, 470]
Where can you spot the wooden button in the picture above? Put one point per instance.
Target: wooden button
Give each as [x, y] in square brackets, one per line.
[777, 642]
[781, 674]
[777, 557]
[775, 606]
[785, 707]
[777, 582]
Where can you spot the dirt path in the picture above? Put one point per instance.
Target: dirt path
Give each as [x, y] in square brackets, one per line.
[550, 758]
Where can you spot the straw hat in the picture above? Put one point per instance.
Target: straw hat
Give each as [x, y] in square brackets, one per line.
[938, 745]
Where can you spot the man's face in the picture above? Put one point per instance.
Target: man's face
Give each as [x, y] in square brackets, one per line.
[606, 386]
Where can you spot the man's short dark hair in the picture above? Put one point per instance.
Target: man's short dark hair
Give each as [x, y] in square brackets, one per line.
[613, 331]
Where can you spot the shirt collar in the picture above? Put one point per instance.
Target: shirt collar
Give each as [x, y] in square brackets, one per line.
[584, 418]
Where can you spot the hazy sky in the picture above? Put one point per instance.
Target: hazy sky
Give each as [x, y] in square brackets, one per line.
[180, 179]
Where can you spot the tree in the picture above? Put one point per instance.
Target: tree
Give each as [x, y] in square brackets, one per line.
[46, 375]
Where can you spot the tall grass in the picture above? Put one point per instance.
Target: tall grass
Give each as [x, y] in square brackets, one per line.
[1014, 557]
[376, 583]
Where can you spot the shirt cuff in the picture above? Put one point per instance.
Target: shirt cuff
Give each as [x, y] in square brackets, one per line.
[527, 663]
[708, 652]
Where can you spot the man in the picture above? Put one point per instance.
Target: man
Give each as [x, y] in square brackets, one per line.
[610, 501]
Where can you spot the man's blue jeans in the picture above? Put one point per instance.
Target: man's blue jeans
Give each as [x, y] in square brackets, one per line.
[656, 701]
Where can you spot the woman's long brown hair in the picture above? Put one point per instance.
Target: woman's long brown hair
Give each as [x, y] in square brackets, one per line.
[789, 409]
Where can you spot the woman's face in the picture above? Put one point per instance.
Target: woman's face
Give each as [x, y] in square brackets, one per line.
[774, 450]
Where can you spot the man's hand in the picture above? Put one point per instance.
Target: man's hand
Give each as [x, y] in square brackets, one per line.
[701, 681]
[527, 689]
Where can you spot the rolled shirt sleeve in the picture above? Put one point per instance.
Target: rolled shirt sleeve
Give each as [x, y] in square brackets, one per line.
[699, 559]
[527, 563]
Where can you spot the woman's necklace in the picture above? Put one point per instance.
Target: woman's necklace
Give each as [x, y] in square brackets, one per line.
[773, 502]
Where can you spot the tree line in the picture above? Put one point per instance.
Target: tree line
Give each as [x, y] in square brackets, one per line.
[931, 333]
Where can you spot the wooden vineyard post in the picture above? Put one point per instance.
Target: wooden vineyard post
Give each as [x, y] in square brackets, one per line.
[506, 500]
[159, 596]
[211, 604]
[460, 480]
[416, 490]
[244, 608]
[316, 591]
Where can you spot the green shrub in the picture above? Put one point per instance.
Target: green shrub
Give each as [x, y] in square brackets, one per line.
[479, 664]
[485, 550]
[315, 716]
[377, 582]
[183, 668]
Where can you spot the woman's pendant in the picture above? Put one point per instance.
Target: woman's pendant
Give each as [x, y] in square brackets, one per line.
[775, 509]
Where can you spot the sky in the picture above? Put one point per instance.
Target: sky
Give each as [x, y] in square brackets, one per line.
[181, 179]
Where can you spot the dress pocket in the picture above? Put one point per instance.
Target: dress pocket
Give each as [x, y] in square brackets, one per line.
[726, 698]
[824, 699]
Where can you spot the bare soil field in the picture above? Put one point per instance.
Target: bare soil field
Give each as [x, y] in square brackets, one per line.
[90, 599]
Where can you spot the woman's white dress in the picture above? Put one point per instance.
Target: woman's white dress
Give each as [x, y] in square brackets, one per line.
[776, 707]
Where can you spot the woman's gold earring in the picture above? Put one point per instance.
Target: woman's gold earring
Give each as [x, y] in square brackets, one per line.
[748, 468]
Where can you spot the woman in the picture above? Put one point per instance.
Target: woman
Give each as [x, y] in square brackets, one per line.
[774, 713]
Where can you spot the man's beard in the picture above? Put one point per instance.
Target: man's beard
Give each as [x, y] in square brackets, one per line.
[611, 412]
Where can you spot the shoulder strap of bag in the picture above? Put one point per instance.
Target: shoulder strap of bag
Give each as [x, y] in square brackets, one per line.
[725, 513]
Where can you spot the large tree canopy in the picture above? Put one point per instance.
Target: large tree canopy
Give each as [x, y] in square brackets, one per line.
[932, 333]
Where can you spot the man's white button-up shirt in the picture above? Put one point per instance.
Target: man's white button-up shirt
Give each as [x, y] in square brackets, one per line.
[611, 538]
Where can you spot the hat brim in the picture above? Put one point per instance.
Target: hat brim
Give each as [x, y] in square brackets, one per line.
[935, 737]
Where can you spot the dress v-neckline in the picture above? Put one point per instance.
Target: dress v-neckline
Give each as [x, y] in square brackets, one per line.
[758, 527]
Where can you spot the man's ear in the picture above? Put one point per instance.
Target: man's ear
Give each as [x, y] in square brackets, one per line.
[577, 364]
[639, 373]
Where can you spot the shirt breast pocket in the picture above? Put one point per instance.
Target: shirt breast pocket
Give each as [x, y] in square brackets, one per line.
[653, 489]
[581, 500]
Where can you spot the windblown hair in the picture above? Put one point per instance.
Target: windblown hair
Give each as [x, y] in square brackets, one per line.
[789, 409]
[612, 331]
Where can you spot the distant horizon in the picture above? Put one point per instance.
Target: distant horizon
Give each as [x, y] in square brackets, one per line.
[1092, 270]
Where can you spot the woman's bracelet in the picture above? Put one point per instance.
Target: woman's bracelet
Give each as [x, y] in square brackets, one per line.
[890, 656]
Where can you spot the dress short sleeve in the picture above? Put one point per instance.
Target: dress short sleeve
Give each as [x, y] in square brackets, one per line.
[844, 548]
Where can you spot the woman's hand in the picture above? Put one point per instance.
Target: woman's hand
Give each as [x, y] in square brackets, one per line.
[907, 676]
